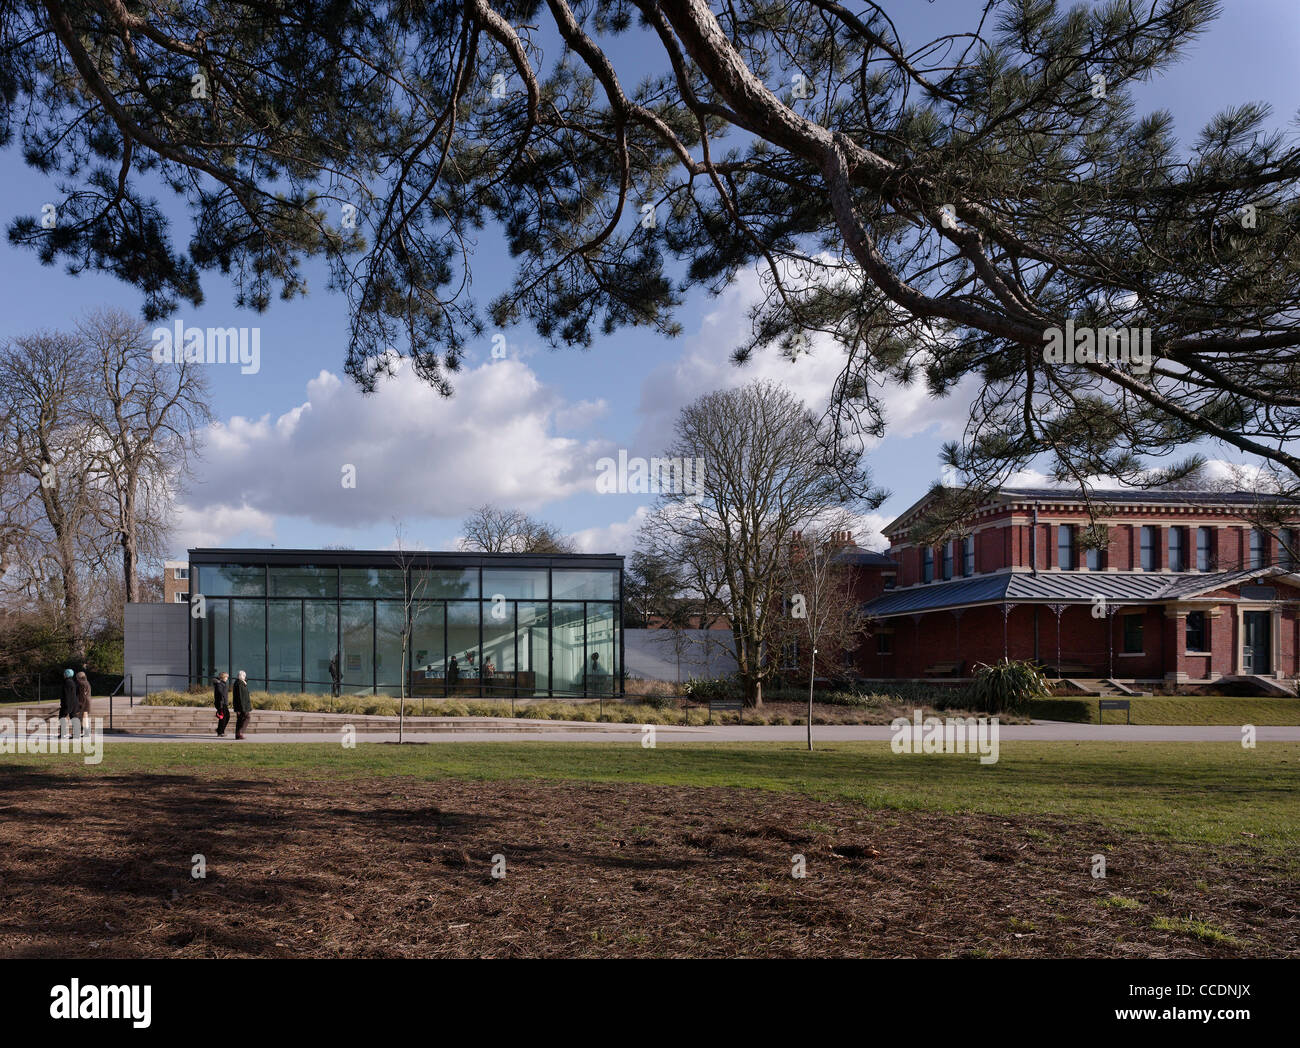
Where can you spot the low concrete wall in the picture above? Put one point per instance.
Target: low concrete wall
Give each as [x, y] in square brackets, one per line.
[653, 654]
[156, 640]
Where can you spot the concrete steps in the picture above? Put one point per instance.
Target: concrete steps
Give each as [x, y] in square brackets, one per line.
[191, 720]
[1269, 685]
[1103, 688]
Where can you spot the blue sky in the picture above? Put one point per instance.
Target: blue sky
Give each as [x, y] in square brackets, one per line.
[527, 431]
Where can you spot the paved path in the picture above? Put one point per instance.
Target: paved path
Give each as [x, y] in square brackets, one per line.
[1039, 731]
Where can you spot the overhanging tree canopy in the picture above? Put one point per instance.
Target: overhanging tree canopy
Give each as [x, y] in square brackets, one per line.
[933, 210]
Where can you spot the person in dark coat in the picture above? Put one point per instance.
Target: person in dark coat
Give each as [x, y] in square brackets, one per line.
[335, 676]
[83, 702]
[243, 705]
[67, 704]
[221, 699]
[453, 675]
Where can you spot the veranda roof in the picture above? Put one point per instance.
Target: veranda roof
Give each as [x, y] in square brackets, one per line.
[1063, 587]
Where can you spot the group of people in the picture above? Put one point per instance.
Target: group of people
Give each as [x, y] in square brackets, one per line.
[221, 699]
[74, 703]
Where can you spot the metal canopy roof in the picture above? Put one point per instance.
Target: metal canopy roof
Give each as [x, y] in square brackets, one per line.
[1062, 587]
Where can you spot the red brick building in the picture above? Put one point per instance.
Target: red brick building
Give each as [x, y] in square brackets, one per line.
[176, 582]
[1186, 591]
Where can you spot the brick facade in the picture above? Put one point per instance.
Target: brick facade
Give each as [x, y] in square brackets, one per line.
[1137, 633]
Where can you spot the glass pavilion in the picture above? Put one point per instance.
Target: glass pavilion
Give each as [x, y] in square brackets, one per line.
[480, 624]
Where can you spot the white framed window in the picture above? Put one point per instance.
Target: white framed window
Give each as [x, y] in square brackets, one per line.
[182, 597]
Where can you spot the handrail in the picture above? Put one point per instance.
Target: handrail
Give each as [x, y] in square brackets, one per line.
[113, 693]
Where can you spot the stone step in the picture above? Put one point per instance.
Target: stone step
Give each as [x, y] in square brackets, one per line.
[157, 720]
[201, 720]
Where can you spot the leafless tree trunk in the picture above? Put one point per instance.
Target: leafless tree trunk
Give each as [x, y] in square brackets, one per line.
[412, 592]
[821, 609]
[145, 419]
[768, 472]
[45, 383]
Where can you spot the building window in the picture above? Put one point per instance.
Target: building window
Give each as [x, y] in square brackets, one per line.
[927, 565]
[1286, 549]
[1177, 549]
[884, 644]
[1133, 634]
[1148, 548]
[1093, 558]
[1196, 631]
[789, 656]
[1202, 549]
[181, 598]
[947, 560]
[180, 573]
[891, 580]
[318, 628]
[968, 556]
[1258, 548]
[1065, 547]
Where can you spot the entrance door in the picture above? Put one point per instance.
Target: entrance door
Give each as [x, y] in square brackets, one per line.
[1256, 656]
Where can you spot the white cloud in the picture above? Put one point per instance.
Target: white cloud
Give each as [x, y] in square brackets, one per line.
[705, 365]
[415, 454]
[869, 531]
[1248, 477]
[196, 528]
[618, 537]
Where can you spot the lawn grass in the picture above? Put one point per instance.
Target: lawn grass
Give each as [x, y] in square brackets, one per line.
[1209, 793]
[1199, 709]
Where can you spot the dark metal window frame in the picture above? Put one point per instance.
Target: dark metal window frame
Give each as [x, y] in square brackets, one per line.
[267, 559]
[1139, 620]
[1148, 548]
[1204, 551]
[1259, 551]
[1065, 548]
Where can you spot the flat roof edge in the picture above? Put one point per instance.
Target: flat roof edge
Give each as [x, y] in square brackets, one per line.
[211, 555]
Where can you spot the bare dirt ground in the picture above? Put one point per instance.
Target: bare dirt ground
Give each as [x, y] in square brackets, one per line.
[403, 868]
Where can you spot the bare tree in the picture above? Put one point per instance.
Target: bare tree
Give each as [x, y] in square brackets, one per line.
[145, 420]
[413, 587]
[45, 382]
[767, 473]
[823, 617]
[13, 507]
[490, 529]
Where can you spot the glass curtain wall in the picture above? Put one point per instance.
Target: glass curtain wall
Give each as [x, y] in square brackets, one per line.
[390, 619]
[489, 631]
[284, 644]
[428, 649]
[463, 648]
[321, 646]
[568, 655]
[357, 628]
[248, 641]
[534, 650]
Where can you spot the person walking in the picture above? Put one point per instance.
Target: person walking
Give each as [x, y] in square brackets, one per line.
[335, 676]
[221, 699]
[453, 675]
[67, 704]
[83, 702]
[243, 706]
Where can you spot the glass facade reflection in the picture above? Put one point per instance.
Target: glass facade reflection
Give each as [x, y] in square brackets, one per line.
[448, 625]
